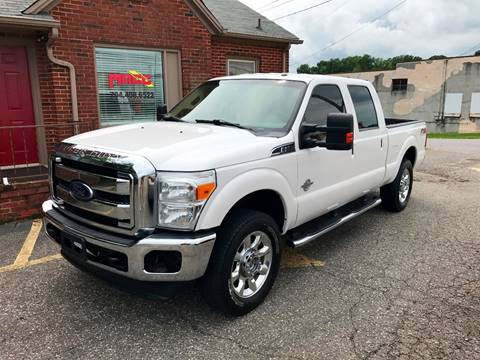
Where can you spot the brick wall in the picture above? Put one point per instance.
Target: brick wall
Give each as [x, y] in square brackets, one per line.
[269, 56]
[154, 24]
[20, 201]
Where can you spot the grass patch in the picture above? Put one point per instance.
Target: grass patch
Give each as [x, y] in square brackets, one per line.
[454, 136]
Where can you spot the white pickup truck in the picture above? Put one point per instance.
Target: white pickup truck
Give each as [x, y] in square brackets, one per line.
[237, 169]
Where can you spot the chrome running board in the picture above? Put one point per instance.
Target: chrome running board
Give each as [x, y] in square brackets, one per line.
[310, 236]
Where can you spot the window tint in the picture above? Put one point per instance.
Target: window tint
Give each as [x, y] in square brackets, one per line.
[325, 99]
[364, 107]
[264, 105]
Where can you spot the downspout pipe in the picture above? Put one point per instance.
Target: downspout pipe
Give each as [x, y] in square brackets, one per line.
[444, 93]
[285, 58]
[73, 81]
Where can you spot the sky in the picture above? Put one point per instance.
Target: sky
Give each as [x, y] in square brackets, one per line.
[416, 27]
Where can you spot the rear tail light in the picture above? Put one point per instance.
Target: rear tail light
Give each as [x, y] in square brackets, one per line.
[349, 138]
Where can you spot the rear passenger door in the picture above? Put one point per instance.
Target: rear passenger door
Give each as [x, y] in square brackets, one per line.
[371, 143]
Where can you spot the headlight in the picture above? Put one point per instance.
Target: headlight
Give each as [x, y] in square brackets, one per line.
[181, 197]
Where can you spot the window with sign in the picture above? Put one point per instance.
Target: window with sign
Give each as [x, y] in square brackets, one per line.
[130, 85]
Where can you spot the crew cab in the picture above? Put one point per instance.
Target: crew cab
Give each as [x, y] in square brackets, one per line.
[239, 168]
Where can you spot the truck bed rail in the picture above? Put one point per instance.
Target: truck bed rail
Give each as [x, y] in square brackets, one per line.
[394, 122]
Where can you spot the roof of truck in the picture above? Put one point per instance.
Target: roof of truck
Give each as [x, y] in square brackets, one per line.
[307, 78]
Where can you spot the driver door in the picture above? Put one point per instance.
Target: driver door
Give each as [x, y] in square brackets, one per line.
[325, 177]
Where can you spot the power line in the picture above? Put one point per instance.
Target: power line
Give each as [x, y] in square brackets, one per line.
[338, 8]
[278, 5]
[267, 4]
[314, 6]
[303, 10]
[355, 31]
[468, 52]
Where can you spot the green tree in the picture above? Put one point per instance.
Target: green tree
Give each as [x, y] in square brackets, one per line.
[437, 57]
[304, 69]
[356, 63]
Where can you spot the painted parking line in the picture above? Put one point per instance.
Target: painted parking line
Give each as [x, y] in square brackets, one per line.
[293, 259]
[23, 258]
[290, 257]
[42, 260]
[45, 259]
[29, 244]
[290, 260]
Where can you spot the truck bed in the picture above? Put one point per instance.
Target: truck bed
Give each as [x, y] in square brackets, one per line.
[394, 122]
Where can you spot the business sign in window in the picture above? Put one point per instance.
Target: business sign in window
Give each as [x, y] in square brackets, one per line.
[130, 85]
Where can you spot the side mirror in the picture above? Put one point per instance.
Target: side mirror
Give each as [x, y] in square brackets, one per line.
[337, 135]
[161, 110]
[339, 131]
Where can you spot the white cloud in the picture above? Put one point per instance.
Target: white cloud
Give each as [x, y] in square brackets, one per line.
[418, 27]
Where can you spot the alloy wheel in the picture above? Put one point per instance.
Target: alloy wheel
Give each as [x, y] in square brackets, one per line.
[404, 187]
[251, 265]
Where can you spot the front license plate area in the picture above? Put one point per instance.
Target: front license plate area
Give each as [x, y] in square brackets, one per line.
[74, 246]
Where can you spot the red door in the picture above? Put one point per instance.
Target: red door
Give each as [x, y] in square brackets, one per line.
[18, 142]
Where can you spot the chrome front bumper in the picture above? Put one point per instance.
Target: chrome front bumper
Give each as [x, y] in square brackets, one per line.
[195, 251]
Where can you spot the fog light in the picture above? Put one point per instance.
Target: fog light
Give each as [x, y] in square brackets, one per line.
[163, 261]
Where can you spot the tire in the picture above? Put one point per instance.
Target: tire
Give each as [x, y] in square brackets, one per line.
[395, 195]
[235, 259]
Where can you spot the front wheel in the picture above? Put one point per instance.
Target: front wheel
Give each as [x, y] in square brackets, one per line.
[244, 263]
[395, 195]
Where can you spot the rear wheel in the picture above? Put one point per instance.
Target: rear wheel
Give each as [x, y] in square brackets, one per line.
[395, 195]
[244, 263]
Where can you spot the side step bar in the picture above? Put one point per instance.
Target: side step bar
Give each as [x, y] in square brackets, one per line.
[305, 239]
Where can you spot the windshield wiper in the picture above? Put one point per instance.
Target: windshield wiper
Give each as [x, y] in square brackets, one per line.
[219, 122]
[171, 118]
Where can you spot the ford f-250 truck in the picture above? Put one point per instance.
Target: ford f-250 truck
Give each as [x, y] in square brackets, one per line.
[237, 169]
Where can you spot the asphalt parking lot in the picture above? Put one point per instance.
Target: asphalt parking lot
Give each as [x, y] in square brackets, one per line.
[384, 286]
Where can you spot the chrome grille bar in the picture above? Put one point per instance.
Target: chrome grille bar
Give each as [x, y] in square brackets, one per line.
[97, 182]
[116, 211]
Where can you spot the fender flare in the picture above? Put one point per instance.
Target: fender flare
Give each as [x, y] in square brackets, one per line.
[392, 168]
[225, 197]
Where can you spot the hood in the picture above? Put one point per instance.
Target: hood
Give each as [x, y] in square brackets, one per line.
[175, 146]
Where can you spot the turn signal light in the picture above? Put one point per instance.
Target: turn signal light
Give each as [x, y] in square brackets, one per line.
[204, 191]
[349, 138]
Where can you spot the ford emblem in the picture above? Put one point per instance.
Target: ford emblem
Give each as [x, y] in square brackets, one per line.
[80, 191]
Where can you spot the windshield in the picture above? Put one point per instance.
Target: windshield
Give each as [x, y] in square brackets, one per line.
[264, 106]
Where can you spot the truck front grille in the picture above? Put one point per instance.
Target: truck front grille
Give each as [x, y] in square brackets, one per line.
[103, 189]
[113, 202]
